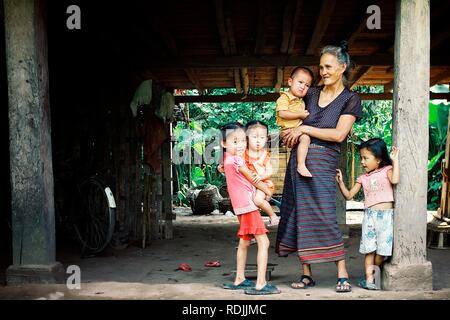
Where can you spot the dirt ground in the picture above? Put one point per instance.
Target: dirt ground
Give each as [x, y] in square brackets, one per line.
[151, 273]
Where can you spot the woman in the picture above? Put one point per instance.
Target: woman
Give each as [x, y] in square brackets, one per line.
[308, 223]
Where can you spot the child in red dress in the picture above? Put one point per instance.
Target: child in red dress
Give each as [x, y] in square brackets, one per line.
[257, 159]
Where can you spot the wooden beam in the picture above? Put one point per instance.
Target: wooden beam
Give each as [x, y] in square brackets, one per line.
[237, 80]
[388, 87]
[321, 25]
[283, 60]
[439, 77]
[218, 5]
[263, 6]
[442, 9]
[361, 27]
[161, 29]
[290, 22]
[245, 80]
[295, 20]
[193, 77]
[291, 18]
[439, 38]
[272, 97]
[279, 82]
[362, 71]
[230, 33]
[433, 80]
[228, 41]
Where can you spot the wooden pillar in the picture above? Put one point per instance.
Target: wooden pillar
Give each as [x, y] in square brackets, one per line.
[409, 268]
[32, 201]
[167, 184]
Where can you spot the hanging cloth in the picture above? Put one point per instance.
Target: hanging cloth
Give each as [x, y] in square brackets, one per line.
[143, 95]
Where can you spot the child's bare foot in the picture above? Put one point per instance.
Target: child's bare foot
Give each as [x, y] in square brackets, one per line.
[274, 221]
[304, 171]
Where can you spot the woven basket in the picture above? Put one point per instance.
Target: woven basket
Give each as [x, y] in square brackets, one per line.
[225, 205]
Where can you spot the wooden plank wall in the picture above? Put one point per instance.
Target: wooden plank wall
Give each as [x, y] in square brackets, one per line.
[279, 160]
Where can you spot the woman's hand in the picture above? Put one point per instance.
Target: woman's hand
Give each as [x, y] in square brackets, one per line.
[290, 138]
[339, 178]
[220, 168]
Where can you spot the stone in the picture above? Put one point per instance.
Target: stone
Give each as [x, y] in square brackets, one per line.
[35, 274]
[404, 277]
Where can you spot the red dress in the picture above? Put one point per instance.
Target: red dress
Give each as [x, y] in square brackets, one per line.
[259, 166]
[241, 193]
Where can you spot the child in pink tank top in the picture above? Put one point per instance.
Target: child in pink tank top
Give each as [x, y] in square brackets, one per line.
[382, 172]
[251, 225]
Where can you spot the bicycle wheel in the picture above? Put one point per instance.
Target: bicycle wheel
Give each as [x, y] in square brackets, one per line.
[95, 220]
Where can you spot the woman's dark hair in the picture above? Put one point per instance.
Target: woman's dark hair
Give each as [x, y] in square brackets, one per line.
[341, 53]
[256, 123]
[226, 129]
[379, 149]
[304, 69]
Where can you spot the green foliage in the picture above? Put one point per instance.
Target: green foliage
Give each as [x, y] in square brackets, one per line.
[207, 115]
[203, 118]
[376, 122]
[438, 123]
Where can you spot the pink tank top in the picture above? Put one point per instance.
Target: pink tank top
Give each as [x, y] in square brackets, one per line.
[377, 187]
[241, 190]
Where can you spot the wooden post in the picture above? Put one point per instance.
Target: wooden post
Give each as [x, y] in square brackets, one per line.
[167, 184]
[32, 199]
[353, 165]
[409, 268]
[443, 210]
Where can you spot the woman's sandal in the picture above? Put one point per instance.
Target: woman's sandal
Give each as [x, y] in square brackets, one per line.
[303, 284]
[343, 285]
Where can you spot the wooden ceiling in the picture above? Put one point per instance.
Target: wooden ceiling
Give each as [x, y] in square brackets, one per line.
[245, 44]
[256, 43]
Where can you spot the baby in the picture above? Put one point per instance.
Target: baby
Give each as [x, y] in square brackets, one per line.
[291, 111]
[257, 159]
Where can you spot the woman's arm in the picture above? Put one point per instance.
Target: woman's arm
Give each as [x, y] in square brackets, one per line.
[337, 134]
[348, 194]
[248, 174]
[394, 174]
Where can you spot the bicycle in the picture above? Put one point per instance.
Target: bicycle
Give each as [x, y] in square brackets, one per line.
[94, 226]
[89, 214]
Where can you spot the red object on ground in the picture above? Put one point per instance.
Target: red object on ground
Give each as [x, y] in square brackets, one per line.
[212, 264]
[185, 267]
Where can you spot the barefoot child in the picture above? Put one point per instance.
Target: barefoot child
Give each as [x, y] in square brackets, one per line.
[257, 159]
[241, 192]
[382, 172]
[291, 111]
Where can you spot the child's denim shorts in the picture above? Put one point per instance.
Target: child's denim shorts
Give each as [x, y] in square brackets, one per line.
[377, 231]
